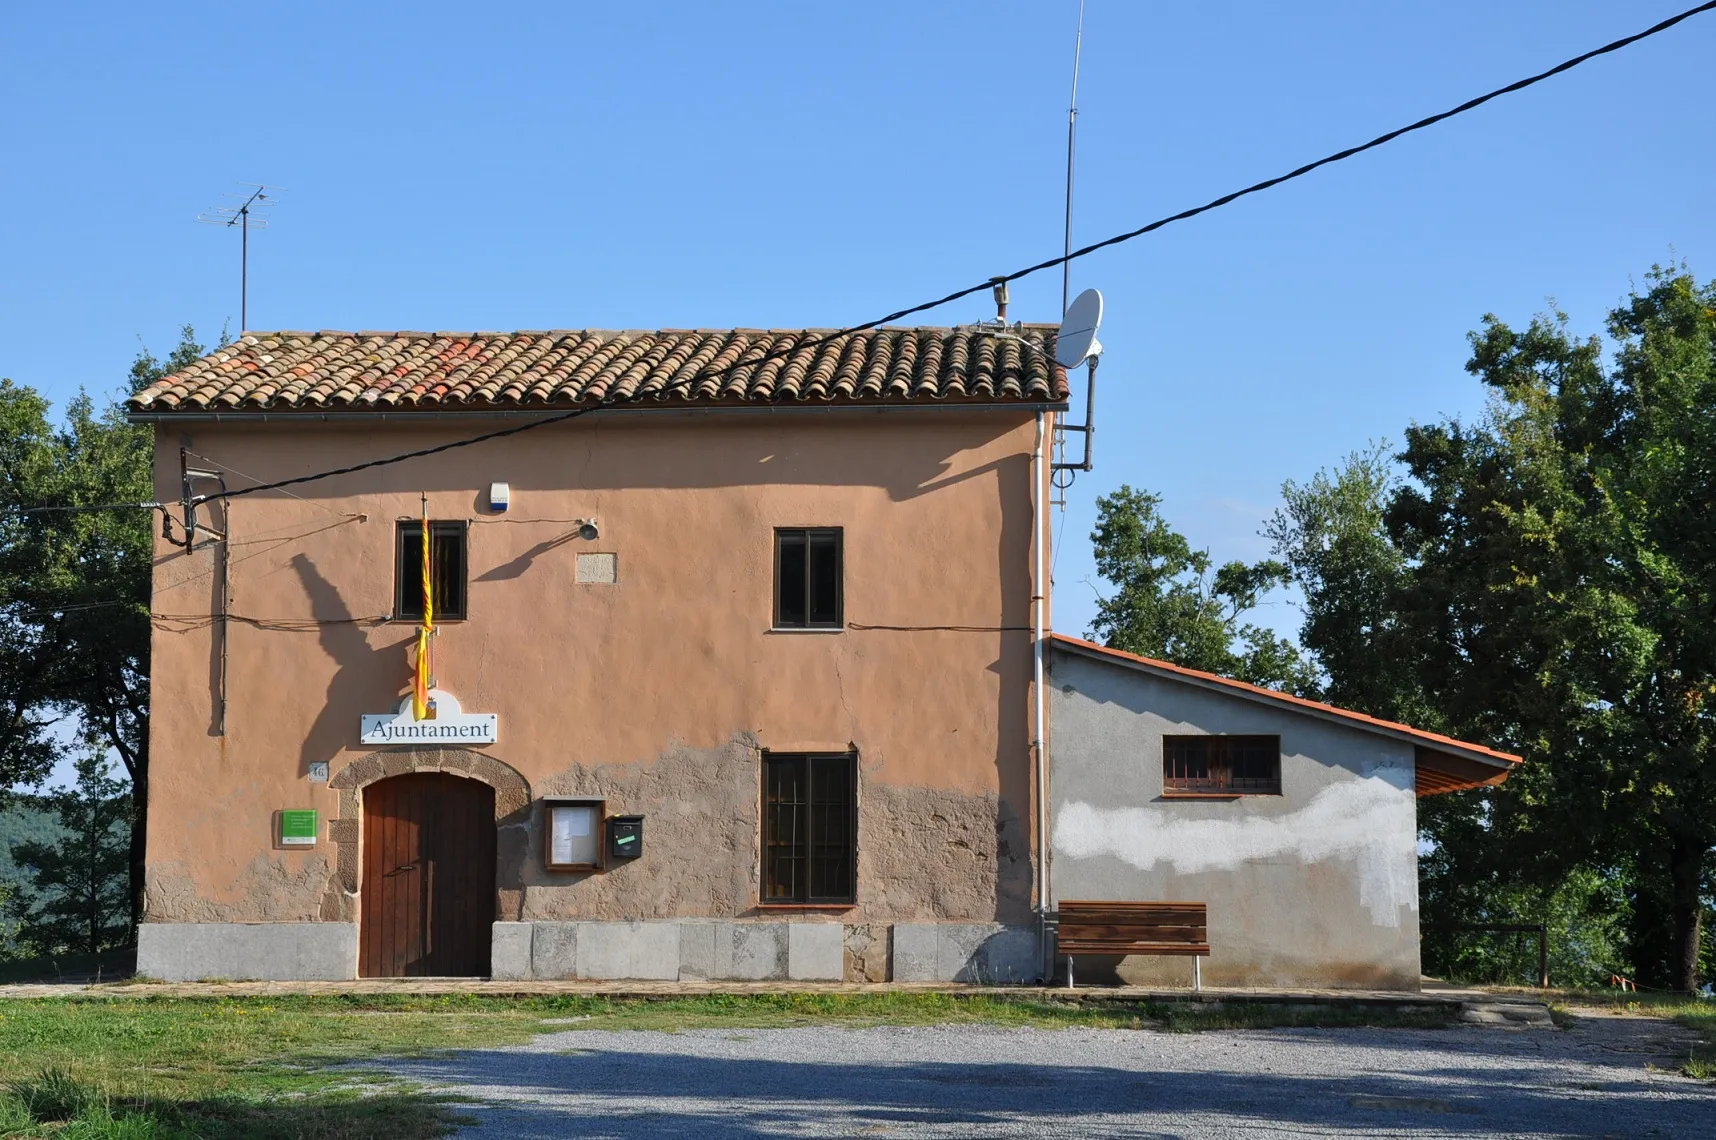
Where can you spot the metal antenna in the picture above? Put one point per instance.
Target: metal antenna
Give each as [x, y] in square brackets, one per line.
[250, 214]
[1072, 134]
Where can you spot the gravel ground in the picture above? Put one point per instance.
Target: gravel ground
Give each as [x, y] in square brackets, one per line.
[979, 1081]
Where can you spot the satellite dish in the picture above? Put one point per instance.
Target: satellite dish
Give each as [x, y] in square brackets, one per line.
[1076, 341]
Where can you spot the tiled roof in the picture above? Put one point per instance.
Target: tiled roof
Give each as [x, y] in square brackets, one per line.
[448, 371]
[1444, 764]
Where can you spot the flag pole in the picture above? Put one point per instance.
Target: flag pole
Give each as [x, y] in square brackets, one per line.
[422, 707]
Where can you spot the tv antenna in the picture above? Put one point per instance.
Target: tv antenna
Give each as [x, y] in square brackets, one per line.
[1072, 135]
[251, 213]
[1076, 344]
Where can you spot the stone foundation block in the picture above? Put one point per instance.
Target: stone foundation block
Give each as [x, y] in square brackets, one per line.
[554, 949]
[647, 951]
[979, 953]
[697, 951]
[510, 951]
[261, 951]
[751, 951]
[816, 951]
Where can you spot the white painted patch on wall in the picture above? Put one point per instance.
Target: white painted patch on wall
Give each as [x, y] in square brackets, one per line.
[1370, 821]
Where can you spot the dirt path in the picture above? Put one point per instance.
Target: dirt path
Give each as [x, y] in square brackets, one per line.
[1652, 1040]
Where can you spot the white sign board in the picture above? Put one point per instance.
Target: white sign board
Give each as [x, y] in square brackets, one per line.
[450, 724]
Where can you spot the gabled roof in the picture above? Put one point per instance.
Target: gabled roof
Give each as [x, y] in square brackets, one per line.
[457, 371]
[1444, 764]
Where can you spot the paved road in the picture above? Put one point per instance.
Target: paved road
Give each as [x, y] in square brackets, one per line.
[975, 1081]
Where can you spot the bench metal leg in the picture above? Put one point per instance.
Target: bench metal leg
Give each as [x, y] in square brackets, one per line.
[1197, 974]
[1069, 972]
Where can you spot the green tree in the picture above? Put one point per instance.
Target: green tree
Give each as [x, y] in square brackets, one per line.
[1546, 578]
[74, 583]
[1330, 532]
[77, 901]
[1167, 604]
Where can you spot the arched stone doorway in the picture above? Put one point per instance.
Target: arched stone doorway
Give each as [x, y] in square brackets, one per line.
[340, 903]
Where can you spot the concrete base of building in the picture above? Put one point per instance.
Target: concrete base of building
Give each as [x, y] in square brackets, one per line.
[694, 950]
[675, 950]
[672, 950]
[259, 951]
[978, 953]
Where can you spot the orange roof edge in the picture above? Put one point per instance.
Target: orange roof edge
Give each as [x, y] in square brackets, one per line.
[1432, 739]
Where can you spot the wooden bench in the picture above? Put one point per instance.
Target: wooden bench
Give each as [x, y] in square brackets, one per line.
[1090, 927]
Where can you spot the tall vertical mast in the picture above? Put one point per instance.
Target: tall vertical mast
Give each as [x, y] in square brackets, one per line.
[1072, 135]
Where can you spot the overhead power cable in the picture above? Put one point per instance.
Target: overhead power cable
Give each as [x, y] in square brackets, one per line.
[990, 282]
[956, 295]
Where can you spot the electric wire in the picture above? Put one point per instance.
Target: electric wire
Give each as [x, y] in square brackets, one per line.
[958, 294]
[990, 282]
[254, 479]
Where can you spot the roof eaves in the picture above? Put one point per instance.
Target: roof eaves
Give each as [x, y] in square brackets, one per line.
[1503, 761]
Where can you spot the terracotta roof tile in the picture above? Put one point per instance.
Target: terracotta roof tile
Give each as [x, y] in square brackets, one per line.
[450, 371]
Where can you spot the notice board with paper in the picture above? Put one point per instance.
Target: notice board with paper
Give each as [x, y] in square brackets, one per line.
[574, 829]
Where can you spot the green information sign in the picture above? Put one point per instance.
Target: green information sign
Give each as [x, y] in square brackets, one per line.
[297, 829]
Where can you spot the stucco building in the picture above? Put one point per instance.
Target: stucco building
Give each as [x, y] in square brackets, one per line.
[1295, 823]
[773, 603]
[735, 641]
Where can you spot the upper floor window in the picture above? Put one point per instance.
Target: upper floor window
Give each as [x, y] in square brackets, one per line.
[446, 569]
[807, 578]
[1222, 765]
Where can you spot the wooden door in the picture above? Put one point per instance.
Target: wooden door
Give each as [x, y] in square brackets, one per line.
[428, 890]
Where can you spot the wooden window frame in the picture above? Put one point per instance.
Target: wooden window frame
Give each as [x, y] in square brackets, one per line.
[839, 535]
[808, 845]
[404, 577]
[1219, 749]
[598, 829]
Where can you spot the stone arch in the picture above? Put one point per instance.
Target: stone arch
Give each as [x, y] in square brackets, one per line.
[512, 816]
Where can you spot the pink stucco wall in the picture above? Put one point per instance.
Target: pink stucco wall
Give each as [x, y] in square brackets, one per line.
[658, 692]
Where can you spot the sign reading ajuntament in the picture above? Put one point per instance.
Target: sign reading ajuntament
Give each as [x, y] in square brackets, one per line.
[450, 725]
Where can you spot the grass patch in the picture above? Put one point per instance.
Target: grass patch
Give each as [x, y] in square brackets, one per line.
[271, 1068]
[1701, 1017]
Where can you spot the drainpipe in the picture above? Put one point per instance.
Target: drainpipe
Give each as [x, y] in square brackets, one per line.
[1037, 751]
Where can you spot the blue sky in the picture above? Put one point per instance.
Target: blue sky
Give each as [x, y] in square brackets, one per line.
[679, 164]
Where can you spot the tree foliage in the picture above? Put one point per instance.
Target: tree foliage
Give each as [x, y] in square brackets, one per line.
[1545, 578]
[1168, 604]
[76, 899]
[74, 583]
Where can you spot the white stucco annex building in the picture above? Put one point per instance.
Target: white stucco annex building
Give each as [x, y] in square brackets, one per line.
[1294, 822]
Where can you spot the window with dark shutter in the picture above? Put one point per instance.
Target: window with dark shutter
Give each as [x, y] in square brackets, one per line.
[1221, 765]
[446, 570]
[808, 578]
[810, 828]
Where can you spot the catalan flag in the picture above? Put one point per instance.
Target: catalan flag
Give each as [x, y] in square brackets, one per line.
[420, 708]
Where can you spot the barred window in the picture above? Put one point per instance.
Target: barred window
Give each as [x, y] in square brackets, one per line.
[810, 828]
[1222, 765]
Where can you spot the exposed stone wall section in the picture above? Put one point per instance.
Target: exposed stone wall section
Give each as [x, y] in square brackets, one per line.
[701, 838]
[924, 854]
[273, 887]
[512, 813]
[936, 855]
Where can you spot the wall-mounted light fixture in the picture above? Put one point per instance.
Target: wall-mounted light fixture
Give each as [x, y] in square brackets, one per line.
[589, 530]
